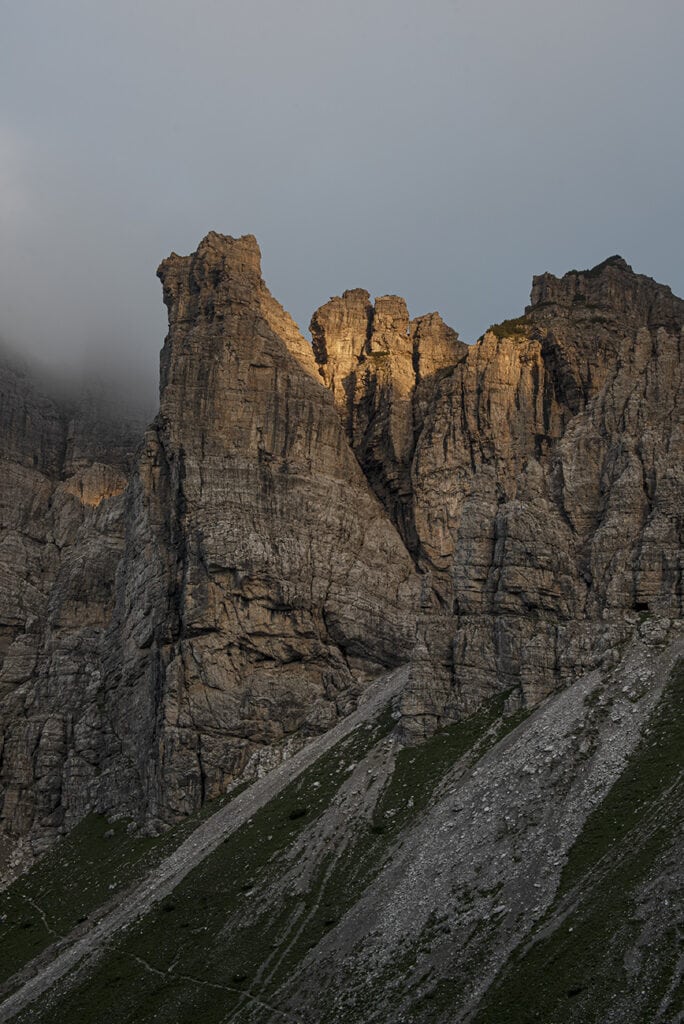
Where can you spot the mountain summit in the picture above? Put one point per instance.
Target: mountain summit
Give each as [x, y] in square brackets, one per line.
[186, 606]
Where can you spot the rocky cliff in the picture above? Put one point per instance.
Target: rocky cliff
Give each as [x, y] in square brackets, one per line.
[536, 476]
[169, 620]
[64, 466]
[381, 368]
[262, 584]
[296, 519]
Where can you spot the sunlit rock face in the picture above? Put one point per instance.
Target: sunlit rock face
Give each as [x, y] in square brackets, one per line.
[263, 584]
[538, 491]
[235, 599]
[380, 367]
[298, 518]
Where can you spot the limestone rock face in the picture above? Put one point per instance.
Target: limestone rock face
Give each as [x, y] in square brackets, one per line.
[534, 476]
[592, 312]
[188, 602]
[379, 365]
[263, 583]
[234, 599]
[64, 466]
[544, 481]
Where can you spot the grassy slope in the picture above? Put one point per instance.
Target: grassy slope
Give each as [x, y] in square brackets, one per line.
[72, 880]
[217, 951]
[214, 948]
[86, 870]
[575, 970]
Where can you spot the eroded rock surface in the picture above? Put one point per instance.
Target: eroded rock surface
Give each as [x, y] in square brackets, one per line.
[535, 479]
[260, 584]
[263, 584]
[64, 468]
[296, 520]
[381, 367]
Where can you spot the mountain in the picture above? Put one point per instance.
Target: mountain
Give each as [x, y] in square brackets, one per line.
[187, 606]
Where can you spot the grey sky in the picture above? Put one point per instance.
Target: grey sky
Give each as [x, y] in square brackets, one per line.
[444, 150]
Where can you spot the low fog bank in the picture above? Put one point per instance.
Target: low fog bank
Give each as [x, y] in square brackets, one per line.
[79, 319]
[113, 382]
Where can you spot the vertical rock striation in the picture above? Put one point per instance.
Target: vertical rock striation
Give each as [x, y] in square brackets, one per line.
[262, 584]
[541, 489]
[380, 366]
[296, 519]
[64, 466]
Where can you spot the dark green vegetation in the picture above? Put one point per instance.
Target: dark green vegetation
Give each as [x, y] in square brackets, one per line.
[509, 328]
[573, 969]
[418, 770]
[233, 931]
[224, 945]
[188, 928]
[90, 867]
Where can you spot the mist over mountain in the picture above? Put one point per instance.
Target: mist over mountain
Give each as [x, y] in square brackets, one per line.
[341, 642]
[373, 145]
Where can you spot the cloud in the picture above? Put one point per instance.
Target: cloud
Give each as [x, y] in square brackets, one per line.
[14, 198]
[442, 151]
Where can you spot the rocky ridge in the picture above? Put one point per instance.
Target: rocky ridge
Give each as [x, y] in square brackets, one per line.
[296, 520]
[540, 478]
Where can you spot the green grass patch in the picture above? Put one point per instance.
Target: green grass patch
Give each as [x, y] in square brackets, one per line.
[81, 873]
[419, 769]
[510, 328]
[212, 926]
[229, 936]
[655, 766]
[95, 861]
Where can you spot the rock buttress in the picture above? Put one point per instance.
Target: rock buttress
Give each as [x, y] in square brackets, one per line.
[380, 367]
[263, 583]
[536, 476]
[547, 490]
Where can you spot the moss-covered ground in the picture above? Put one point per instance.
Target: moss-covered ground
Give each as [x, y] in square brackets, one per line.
[217, 949]
[86, 870]
[510, 328]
